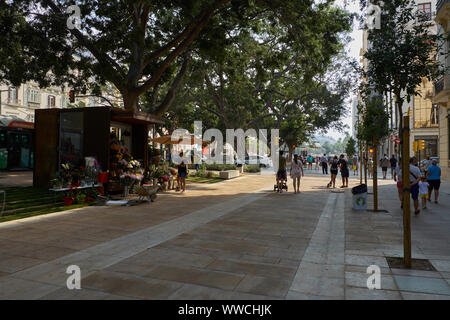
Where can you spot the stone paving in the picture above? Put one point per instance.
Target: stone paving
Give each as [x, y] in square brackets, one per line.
[232, 240]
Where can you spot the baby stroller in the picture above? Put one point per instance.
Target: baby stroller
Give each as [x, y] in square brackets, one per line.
[283, 186]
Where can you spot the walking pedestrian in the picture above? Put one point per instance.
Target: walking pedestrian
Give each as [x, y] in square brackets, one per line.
[334, 171]
[310, 162]
[434, 179]
[317, 161]
[414, 178]
[393, 162]
[355, 165]
[344, 171]
[281, 173]
[384, 163]
[296, 172]
[182, 174]
[324, 161]
[426, 164]
[423, 191]
[398, 172]
[370, 167]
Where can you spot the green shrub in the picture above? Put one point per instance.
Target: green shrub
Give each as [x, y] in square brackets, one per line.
[252, 168]
[220, 167]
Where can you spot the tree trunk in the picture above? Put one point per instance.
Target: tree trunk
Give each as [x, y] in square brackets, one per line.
[361, 161]
[406, 195]
[130, 101]
[366, 158]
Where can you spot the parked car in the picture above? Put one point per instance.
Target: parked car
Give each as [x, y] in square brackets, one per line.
[258, 160]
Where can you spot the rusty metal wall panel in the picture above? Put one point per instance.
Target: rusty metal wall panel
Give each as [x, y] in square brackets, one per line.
[140, 143]
[96, 135]
[46, 146]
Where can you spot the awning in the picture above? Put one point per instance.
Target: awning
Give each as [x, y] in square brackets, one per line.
[127, 116]
[167, 139]
[15, 122]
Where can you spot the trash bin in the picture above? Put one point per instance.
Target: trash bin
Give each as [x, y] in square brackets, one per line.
[360, 197]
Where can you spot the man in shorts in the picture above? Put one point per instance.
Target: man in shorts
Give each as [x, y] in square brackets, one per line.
[324, 162]
[434, 180]
[414, 178]
[384, 163]
[393, 161]
[281, 173]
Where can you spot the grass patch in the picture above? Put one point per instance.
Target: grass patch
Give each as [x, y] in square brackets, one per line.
[41, 212]
[24, 202]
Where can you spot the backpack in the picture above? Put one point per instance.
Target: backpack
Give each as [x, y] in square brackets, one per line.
[334, 164]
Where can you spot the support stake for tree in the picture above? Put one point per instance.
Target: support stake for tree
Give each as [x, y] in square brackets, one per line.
[406, 193]
[361, 162]
[375, 176]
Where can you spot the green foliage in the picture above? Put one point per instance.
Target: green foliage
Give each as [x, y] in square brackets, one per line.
[252, 168]
[145, 46]
[402, 52]
[375, 120]
[350, 147]
[220, 167]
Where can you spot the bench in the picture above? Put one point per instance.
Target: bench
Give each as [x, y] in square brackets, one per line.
[229, 174]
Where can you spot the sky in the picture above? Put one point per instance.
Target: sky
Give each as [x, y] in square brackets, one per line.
[353, 51]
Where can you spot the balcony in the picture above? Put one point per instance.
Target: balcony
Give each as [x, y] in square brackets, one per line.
[438, 86]
[441, 90]
[440, 4]
[442, 12]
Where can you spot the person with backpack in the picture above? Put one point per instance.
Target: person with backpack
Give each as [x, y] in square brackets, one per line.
[334, 166]
[393, 162]
[384, 163]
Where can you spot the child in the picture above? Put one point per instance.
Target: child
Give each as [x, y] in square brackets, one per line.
[423, 191]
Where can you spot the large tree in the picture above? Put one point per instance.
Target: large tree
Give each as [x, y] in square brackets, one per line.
[139, 45]
[400, 54]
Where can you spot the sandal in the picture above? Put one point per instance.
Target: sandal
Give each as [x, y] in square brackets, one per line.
[417, 212]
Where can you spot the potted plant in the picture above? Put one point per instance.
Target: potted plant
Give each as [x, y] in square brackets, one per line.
[67, 200]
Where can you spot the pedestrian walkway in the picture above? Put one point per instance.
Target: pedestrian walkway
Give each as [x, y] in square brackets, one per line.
[233, 240]
[16, 179]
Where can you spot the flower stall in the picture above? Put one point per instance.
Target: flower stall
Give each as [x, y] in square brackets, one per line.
[79, 146]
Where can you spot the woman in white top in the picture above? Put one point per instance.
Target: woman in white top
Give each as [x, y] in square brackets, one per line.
[296, 172]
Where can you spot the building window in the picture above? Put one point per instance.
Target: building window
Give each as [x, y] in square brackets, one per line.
[51, 100]
[425, 113]
[434, 115]
[12, 95]
[34, 96]
[431, 149]
[424, 10]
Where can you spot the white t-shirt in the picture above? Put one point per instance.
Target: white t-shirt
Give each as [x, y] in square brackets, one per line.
[423, 187]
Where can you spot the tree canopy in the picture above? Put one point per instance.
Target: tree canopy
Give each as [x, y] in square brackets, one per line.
[145, 45]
